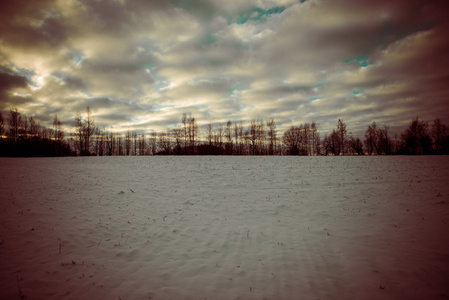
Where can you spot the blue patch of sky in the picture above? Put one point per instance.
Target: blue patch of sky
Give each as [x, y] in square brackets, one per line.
[208, 39]
[149, 45]
[161, 85]
[356, 92]
[362, 60]
[150, 69]
[59, 75]
[28, 74]
[257, 14]
[314, 98]
[16, 71]
[236, 88]
[6, 70]
[159, 82]
[247, 107]
[77, 56]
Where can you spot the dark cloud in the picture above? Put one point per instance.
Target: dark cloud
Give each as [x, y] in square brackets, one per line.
[115, 118]
[9, 102]
[75, 83]
[202, 9]
[70, 81]
[8, 81]
[32, 25]
[53, 31]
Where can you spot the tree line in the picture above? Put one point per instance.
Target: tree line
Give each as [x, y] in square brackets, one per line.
[23, 136]
[419, 138]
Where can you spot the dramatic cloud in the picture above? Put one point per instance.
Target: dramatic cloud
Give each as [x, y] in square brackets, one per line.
[142, 64]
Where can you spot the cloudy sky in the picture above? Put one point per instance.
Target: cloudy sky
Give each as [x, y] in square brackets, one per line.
[141, 64]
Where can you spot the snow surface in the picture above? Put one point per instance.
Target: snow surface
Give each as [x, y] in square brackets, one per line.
[224, 228]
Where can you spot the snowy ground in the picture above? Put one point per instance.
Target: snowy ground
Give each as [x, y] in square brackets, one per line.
[224, 228]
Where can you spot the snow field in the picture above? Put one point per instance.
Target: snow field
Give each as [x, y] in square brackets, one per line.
[224, 228]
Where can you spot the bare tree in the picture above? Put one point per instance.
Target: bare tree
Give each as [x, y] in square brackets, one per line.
[252, 136]
[184, 123]
[193, 133]
[416, 139]
[228, 134]
[306, 139]
[99, 145]
[439, 134]
[296, 139]
[58, 135]
[43, 132]
[119, 148]
[271, 125]
[396, 144]
[177, 134]
[341, 129]
[261, 137]
[153, 142]
[14, 122]
[238, 134]
[78, 133]
[134, 141]
[316, 143]
[326, 145]
[291, 139]
[33, 127]
[332, 143]
[89, 130]
[218, 137]
[371, 138]
[128, 143]
[209, 133]
[110, 142]
[384, 140]
[377, 140]
[83, 131]
[164, 142]
[142, 144]
[24, 128]
[356, 145]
